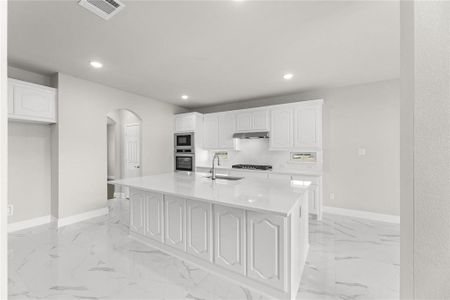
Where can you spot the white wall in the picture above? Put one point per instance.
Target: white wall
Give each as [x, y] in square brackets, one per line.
[111, 139]
[82, 163]
[364, 116]
[3, 152]
[425, 197]
[28, 76]
[29, 184]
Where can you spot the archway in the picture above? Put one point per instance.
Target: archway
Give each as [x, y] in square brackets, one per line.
[124, 142]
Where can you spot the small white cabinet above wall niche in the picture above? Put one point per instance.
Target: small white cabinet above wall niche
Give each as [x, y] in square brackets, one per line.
[296, 126]
[29, 102]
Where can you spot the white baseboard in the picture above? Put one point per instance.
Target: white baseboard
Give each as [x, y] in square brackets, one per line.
[362, 214]
[30, 223]
[82, 217]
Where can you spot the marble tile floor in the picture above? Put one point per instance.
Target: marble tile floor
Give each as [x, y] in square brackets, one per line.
[349, 258]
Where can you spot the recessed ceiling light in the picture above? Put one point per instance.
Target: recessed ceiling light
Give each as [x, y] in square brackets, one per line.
[185, 97]
[288, 76]
[96, 64]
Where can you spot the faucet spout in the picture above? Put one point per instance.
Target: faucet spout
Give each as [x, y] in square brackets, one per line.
[213, 168]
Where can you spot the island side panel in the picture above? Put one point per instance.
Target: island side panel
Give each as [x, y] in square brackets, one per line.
[299, 242]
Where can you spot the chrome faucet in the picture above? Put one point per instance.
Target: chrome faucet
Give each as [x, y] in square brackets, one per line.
[213, 169]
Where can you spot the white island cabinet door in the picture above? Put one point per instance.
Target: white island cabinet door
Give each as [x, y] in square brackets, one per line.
[154, 216]
[137, 211]
[266, 249]
[198, 229]
[229, 238]
[175, 225]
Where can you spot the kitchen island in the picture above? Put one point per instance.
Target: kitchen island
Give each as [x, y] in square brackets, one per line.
[251, 231]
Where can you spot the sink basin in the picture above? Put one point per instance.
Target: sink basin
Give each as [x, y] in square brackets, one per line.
[225, 177]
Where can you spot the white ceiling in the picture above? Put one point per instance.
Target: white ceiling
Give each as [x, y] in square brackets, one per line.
[214, 51]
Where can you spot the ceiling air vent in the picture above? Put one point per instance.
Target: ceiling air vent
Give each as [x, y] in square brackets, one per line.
[105, 9]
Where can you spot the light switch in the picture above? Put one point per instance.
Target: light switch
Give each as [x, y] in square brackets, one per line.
[361, 151]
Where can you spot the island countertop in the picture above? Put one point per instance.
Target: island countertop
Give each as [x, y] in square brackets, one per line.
[275, 196]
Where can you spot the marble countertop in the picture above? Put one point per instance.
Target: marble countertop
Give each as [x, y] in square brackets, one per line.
[275, 196]
[273, 171]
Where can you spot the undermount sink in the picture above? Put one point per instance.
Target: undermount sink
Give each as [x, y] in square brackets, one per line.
[225, 177]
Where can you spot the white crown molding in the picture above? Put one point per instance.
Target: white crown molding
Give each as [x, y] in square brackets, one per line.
[362, 214]
[16, 226]
[82, 217]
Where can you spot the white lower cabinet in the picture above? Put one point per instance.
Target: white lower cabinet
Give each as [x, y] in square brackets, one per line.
[137, 211]
[175, 225]
[229, 238]
[198, 229]
[260, 250]
[154, 216]
[265, 250]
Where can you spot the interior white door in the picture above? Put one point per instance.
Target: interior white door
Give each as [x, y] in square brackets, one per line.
[132, 150]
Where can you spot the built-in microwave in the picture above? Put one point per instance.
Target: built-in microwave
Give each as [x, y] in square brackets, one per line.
[185, 162]
[184, 140]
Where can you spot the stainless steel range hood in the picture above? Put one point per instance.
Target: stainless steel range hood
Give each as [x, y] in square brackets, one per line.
[251, 135]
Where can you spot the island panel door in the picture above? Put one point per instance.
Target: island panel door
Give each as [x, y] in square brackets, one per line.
[137, 211]
[266, 249]
[229, 238]
[198, 229]
[154, 216]
[175, 226]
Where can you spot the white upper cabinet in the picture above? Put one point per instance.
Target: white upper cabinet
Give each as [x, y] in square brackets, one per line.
[296, 126]
[188, 122]
[211, 131]
[308, 126]
[252, 120]
[227, 127]
[281, 128]
[31, 102]
[218, 130]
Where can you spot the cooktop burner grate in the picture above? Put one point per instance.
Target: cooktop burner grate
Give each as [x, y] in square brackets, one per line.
[252, 167]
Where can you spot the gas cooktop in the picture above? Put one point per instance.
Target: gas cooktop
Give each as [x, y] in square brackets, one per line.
[252, 167]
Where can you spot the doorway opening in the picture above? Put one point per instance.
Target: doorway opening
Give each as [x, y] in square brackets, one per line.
[124, 140]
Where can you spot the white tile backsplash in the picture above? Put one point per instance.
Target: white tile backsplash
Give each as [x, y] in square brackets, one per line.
[256, 151]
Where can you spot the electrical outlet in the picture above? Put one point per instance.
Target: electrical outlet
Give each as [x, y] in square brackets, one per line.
[10, 210]
[331, 196]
